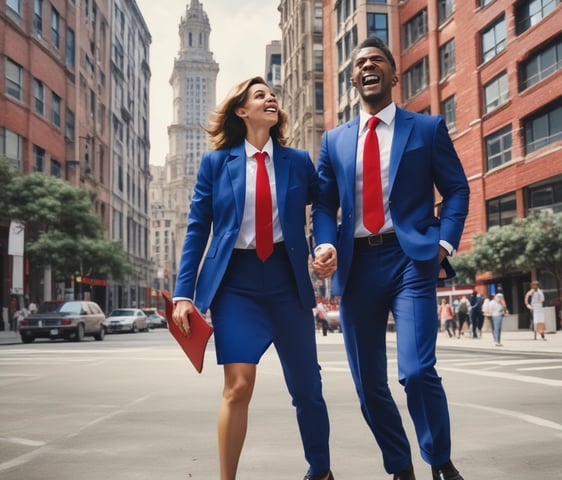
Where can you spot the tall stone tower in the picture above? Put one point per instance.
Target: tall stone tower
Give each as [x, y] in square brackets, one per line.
[193, 81]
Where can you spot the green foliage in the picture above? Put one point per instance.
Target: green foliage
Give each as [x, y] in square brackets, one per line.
[62, 227]
[527, 243]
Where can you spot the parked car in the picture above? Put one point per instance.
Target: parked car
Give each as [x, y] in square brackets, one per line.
[155, 319]
[126, 320]
[68, 319]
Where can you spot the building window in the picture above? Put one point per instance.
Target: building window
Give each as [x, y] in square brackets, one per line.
[483, 3]
[415, 28]
[447, 59]
[14, 6]
[69, 130]
[344, 80]
[377, 26]
[445, 9]
[11, 148]
[540, 65]
[545, 196]
[56, 118]
[70, 55]
[498, 148]
[39, 158]
[55, 168]
[319, 96]
[39, 95]
[14, 79]
[531, 12]
[344, 9]
[544, 128]
[38, 17]
[448, 110]
[501, 211]
[318, 50]
[415, 79]
[494, 40]
[495, 93]
[55, 32]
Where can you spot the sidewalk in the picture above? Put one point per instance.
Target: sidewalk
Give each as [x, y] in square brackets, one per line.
[518, 341]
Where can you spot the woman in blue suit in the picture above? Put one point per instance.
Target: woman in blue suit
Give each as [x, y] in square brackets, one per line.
[254, 301]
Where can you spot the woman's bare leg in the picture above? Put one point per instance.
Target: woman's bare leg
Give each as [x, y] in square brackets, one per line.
[239, 381]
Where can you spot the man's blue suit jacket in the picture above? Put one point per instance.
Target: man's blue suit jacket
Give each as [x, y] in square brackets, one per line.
[218, 203]
[422, 158]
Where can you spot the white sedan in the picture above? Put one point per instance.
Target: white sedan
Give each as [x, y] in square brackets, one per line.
[126, 320]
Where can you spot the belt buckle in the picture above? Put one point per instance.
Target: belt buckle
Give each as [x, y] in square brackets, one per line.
[375, 240]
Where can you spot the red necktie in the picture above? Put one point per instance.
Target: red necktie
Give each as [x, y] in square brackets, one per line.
[264, 227]
[373, 209]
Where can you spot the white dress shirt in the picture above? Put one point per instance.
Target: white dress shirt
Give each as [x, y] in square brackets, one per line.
[385, 134]
[247, 236]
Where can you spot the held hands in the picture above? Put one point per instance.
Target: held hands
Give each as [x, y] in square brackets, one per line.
[181, 314]
[325, 261]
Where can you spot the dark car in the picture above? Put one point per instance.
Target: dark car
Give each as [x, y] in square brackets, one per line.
[68, 319]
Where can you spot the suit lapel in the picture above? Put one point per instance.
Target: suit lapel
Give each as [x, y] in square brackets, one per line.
[282, 163]
[403, 123]
[347, 150]
[236, 165]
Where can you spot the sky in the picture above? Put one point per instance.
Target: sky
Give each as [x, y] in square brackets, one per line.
[240, 30]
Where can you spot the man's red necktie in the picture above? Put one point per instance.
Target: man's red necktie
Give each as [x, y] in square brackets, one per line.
[264, 227]
[373, 208]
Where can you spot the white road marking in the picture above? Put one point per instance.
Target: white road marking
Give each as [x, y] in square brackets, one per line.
[541, 422]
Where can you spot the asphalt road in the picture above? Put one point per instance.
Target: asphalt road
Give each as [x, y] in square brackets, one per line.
[132, 408]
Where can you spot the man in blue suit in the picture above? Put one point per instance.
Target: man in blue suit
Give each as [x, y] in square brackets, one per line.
[395, 268]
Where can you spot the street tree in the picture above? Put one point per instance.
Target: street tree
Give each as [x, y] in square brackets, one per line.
[533, 242]
[63, 230]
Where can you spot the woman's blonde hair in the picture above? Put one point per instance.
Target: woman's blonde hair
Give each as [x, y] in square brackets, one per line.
[226, 129]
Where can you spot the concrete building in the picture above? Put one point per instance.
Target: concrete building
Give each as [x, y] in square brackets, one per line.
[130, 150]
[493, 70]
[162, 237]
[193, 82]
[303, 68]
[273, 67]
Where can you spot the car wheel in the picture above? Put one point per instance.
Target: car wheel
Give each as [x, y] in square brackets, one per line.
[27, 338]
[135, 329]
[79, 335]
[100, 335]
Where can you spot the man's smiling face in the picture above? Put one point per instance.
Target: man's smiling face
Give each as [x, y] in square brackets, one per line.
[373, 77]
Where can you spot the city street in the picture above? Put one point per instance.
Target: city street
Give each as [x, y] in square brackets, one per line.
[132, 407]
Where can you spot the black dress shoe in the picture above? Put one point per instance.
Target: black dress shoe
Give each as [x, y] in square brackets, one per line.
[406, 474]
[320, 477]
[446, 471]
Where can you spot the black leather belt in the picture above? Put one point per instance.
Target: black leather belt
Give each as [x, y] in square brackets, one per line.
[376, 240]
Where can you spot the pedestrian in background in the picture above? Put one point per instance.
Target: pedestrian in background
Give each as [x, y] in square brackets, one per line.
[447, 317]
[463, 310]
[321, 315]
[380, 171]
[254, 275]
[534, 301]
[497, 311]
[476, 316]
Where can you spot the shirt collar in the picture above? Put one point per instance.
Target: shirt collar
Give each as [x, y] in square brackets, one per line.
[251, 150]
[386, 115]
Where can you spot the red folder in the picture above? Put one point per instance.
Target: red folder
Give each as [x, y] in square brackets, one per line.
[195, 342]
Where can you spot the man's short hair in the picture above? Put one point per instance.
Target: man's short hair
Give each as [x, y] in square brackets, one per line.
[376, 42]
